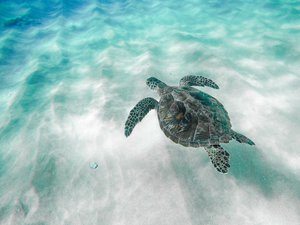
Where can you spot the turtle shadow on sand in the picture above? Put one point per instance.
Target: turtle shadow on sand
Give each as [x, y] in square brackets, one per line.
[249, 167]
[205, 194]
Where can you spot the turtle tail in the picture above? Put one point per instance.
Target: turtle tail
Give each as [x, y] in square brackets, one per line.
[241, 138]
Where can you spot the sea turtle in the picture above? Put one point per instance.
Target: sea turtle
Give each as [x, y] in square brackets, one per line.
[190, 117]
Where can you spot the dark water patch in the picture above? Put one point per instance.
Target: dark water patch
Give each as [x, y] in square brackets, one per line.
[32, 97]
[99, 44]
[12, 52]
[250, 167]
[11, 129]
[41, 78]
[273, 5]
[21, 22]
[15, 58]
[25, 208]
[3, 163]
[45, 175]
[27, 14]
[5, 211]
[195, 56]
[280, 49]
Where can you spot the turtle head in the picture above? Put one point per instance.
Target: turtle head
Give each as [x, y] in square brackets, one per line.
[155, 84]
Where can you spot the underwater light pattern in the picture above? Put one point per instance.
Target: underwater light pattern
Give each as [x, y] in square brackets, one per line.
[71, 71]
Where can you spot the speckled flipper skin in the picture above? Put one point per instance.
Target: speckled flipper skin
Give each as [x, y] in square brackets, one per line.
[219, 158]
[192, 80]
[139, 111]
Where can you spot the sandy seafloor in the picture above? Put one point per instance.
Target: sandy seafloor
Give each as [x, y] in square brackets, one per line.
[70, 71]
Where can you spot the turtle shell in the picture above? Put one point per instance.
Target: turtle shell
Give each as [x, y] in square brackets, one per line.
[193, 118]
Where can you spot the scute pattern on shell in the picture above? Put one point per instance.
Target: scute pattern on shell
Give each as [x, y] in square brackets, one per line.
[193, 118]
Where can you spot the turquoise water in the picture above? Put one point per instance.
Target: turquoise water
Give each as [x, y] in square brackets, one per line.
[70, 71]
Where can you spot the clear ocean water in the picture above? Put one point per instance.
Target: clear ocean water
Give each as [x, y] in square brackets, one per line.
[70, 71]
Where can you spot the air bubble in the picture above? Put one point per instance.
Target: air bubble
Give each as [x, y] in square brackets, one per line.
[93, 165]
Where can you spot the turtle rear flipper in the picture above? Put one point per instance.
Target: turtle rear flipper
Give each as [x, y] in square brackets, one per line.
[219, 157]
[192, 80]
[138, 112]
[241, 138]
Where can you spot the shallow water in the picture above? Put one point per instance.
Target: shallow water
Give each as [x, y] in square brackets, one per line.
[70, 71]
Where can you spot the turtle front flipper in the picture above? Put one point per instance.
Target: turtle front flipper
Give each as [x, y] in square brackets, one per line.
[192, 80]
[138, 112]
[219, 157]
[241, 138]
